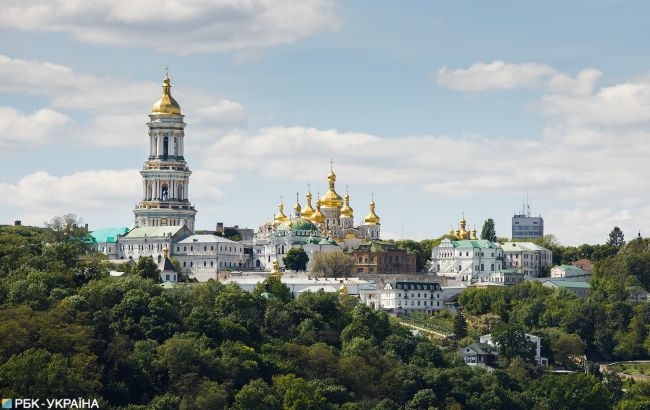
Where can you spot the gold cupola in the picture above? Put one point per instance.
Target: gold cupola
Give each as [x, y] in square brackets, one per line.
[280, 216]
[331, 199]
[317, 217]
[347, 210]
[297, 208]
[372, 218]
[308, 211]
[167, 104]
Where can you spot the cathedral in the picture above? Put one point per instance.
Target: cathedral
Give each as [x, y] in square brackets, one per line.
[328, 227]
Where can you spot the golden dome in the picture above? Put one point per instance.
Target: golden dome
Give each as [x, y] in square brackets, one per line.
[331, 199]
[297, 207]
[372, 218]
[317, 217]
[346, 210]
[280, 216]
[167, 104]
[308, 211]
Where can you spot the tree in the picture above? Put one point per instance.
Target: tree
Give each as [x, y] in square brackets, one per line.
[296, 259]
[488, 232]
[460, 326]
[616, 237]
[511, 342]
[147, 268]
[331, 264]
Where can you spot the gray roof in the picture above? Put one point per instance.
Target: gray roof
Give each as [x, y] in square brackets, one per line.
[154, 231]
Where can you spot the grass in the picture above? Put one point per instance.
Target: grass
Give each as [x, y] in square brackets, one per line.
[642, 369]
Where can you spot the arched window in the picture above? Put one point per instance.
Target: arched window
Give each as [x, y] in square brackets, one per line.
[164, 192]
[165, 147]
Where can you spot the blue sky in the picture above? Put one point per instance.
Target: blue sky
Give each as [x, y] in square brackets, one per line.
[436, 108]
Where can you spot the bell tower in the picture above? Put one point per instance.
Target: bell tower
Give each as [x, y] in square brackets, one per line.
[165, 174]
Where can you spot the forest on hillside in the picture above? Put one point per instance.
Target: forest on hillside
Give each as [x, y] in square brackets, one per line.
[68, 329]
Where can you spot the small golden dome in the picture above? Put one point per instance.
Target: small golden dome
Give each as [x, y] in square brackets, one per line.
[167, 104]
[347, 210]
[331, 199]
[297, 207]
[280, 216]
[308, 211]
[317, 217]
[372, 218]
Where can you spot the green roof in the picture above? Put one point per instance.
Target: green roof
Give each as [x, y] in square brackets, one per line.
[108, 235]
[154, 231]
[297, 224]
[474, 243]
[569, 284]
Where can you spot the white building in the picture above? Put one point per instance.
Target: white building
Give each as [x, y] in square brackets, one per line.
[150, 241]
[203, 256]
[527, 257]
[568, 271]
[403, 296]
[466, 261]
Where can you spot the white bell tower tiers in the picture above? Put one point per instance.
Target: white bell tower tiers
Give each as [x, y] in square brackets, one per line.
[165, 175]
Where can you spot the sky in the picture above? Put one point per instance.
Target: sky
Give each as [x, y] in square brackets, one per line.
[438, 110]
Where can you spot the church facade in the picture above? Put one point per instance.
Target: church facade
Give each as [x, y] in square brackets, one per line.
[327, 227]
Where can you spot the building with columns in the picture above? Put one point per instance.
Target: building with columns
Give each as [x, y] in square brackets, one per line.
[165, 175]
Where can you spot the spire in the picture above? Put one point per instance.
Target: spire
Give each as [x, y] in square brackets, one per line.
[331, 199]
[372, 218]
[167, 104]
[297, 207]
[347, 210]
[308, 211]
[317, 217]
[280, 216]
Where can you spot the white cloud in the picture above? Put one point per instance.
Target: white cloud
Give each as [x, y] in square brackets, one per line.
[108, 111]
[101, 198]
[176, 26]
[497, 75]
[19, 130]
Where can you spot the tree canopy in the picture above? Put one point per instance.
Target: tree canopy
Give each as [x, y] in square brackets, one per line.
[488, 232]
[331, 264]
[296, 259]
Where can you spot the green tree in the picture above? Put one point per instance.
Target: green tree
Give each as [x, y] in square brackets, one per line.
[488, 232]
[331, 264]
[616, 237]
[511, 342]
[296, 259]
[567, 350]
[147, 268]
[257, 394]
[460, 325]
